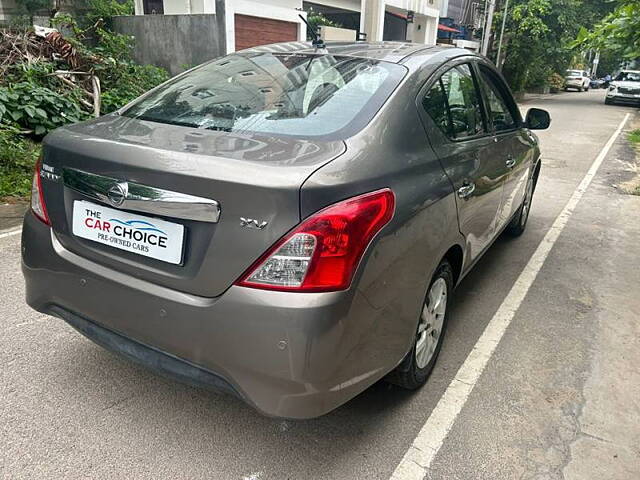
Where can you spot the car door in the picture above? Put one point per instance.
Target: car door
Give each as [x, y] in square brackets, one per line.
[450, 105]
[513, 146]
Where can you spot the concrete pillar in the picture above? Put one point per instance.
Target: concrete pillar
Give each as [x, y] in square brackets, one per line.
[444, 8]
[372, 19]
[416, 31]
[431, 34]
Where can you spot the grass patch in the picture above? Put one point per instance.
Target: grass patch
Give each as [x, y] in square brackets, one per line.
[634, 138]
[18, 156]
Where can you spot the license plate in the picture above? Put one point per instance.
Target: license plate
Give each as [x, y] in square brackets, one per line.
[150, 237]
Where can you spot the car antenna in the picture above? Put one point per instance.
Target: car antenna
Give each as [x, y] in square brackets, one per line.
[317, 41]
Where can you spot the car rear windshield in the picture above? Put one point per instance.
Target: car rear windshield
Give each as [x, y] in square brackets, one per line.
[628, 77]
[574, 73]
[286, 94]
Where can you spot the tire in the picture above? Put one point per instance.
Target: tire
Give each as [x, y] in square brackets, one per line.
[586, 89]
[580, 89]
[608, 102]
[518, 223]
[418, 364]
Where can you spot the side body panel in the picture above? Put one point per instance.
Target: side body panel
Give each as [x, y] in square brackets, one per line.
[479, 163]
[393, 276]
[517, 145]
[521, 150]
[476, 163]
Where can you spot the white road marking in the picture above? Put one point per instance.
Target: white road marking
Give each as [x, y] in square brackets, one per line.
[417, 460]
[10, 233]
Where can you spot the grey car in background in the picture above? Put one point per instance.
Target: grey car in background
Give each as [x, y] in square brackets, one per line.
[285, 224]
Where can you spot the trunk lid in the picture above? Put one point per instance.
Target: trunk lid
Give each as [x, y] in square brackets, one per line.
[250, 176]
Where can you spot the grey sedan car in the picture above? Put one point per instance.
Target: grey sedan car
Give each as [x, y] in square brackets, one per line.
[286, 223]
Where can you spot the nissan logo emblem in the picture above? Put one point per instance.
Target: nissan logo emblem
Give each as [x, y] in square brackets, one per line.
[118, 193]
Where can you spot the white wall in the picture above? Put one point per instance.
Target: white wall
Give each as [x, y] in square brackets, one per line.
[7, 8]
[424, 7]
[180, 7]
[424, 28]
[444, 7]
[353, 5]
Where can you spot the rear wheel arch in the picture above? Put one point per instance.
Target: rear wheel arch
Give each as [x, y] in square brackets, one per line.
[455, 257]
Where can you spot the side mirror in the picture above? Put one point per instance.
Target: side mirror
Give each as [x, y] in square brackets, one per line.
[537, 119]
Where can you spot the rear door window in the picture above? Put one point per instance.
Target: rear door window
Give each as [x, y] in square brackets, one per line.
[435, 104]
[453, 103]
[289, 94]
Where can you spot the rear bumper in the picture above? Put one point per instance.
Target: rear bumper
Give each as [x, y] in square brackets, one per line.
[152, 358]
[288, 355]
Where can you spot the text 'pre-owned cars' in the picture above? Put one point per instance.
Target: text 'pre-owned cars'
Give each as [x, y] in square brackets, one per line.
[286, 223]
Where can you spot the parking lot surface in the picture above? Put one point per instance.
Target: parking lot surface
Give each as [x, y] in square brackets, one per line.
[559, 397]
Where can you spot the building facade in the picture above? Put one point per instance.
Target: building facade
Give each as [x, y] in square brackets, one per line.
[250, 22]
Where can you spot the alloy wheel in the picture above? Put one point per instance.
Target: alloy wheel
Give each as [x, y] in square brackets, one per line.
[526, 205]
[431, 322]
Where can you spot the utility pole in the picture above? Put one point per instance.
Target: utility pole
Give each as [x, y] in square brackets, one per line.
[484, 23]
[487, 28]
[596, 61]
[504, 21]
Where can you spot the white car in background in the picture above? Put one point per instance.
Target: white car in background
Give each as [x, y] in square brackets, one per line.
[625, 88]
[578, 79]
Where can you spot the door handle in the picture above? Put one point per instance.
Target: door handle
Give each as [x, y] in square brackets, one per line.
[510, 163]
[465, 190]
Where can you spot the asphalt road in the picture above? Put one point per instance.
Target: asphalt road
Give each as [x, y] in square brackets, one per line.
[559, 398]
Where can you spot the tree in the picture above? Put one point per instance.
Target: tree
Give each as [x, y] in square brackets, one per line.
[539, 36]
[618, 33]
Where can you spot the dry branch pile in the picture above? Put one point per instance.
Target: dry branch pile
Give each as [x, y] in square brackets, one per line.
[27, 47]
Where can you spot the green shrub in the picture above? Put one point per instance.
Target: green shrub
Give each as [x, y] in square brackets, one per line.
[106, 10]
[18, 156]
[316, 19]
[121, 78]
[37, 109]
[130, 82]
[37, 72]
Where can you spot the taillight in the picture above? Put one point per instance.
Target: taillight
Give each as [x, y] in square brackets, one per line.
[37, 201]
[322, 253]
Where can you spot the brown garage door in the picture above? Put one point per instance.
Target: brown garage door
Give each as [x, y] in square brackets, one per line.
[254, 31]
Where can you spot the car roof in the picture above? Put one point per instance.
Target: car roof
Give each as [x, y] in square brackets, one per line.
[394, 52]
